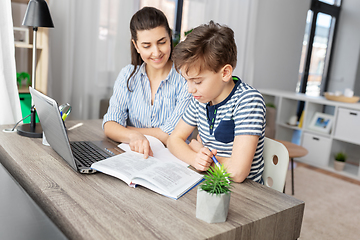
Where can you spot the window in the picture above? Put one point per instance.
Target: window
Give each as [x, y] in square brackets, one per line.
[319, 38]
[171, 8]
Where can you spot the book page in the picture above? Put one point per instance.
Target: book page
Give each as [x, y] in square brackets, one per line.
[167, 178]
[166, 155]
[171, 178]
[159, 150]
[124, 166]
[155, 144]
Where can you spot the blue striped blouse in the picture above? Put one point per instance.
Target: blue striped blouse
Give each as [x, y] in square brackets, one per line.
[135, 108]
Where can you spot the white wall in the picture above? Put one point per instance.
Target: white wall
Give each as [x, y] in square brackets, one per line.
[279, 35]
[347, 48]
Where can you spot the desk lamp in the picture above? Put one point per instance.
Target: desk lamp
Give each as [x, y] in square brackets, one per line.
[37, 15]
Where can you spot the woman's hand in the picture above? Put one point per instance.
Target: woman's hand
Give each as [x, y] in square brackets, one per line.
[139, 143]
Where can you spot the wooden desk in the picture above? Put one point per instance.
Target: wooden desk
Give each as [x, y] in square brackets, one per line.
[98, 206]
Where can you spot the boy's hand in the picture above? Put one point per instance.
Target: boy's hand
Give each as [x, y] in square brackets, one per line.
[139, 143]
[203, 159]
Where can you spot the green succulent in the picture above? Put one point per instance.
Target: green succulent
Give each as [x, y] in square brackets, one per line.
[340, 156]
[21, 76]
[271, 105]
[217, 181]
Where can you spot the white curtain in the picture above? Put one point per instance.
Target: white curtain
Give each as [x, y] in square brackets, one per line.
[89, 45]
[10, 111]
[239, 15]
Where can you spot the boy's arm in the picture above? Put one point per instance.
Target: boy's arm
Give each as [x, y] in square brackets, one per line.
[177, 145]
[239, 164]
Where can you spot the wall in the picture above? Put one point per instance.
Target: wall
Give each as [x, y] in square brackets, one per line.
[346, 55]
[357, 79]
[279, 35]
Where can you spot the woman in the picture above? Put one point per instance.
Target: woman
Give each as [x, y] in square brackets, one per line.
[149, 95]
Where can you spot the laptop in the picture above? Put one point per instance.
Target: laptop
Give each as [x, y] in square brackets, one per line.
[78, 154]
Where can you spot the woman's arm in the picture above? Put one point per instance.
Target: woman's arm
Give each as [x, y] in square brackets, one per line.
[155, 132]
[137, 141]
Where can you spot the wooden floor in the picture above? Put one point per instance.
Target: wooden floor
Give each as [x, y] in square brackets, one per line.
[351, 180]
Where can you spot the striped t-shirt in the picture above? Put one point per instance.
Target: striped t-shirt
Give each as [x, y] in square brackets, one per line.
[241, 113]
[135, 109]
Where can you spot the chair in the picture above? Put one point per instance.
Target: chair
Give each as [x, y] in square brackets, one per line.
[276, 162]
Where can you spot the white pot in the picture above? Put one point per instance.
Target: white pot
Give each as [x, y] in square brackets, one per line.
[212, 208]
[339, 166]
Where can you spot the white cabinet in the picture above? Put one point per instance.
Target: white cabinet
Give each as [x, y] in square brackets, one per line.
[319, 148]
[348, 125]
[344, 134]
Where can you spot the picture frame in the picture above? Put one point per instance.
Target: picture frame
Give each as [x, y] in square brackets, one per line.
[321, 122]
[21, 35]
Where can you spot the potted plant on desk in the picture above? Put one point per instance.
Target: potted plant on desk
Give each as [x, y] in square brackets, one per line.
[213, 196]
[339, 162]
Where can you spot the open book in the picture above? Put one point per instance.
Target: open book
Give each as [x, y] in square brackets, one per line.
[168, 176]
[159, 150]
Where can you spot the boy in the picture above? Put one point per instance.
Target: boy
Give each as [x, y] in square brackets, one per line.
[229, 114]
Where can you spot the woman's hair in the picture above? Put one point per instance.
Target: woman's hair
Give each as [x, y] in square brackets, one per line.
[146, 18]
[209, 46]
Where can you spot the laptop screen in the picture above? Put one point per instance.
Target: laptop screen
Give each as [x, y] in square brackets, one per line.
[53, 125]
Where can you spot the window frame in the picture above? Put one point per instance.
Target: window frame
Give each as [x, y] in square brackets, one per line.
[334, 11]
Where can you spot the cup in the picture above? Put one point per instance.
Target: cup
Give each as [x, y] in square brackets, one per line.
[338, 93]
[348, 92]
[44, 141]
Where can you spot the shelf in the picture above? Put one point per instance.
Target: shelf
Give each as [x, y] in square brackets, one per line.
[350, 170]
[345, 140]
[317, 133]
[289, 126]
[24, 90]
[24, 45]
[20, 1]
[23, 51]
[321, 145]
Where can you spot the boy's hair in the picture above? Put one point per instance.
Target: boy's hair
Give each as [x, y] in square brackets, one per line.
[146, 18]
[209, 46]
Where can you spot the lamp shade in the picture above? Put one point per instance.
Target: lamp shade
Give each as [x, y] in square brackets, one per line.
[38, 14]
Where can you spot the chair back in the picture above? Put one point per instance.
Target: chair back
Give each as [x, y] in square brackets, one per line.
[276, 162]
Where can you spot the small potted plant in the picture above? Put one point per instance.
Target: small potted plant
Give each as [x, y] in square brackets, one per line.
[339, 162]
[213, 196]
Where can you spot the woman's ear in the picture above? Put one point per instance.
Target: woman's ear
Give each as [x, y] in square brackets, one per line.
[226, 72]
[132, 40]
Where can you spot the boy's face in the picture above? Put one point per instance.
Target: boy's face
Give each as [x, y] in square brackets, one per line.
[206, 86]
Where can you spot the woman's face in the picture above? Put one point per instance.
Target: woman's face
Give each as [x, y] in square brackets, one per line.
[154, 46]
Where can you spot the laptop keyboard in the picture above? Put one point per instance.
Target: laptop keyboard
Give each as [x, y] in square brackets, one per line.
[87, 152]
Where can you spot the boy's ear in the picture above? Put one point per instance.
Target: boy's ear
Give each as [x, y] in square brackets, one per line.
[132, 40]
[226, 72]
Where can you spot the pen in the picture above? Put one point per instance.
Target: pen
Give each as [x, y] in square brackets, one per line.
[75, 126]
[217, 163]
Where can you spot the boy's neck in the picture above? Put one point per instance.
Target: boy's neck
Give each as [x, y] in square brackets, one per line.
[224, 94]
